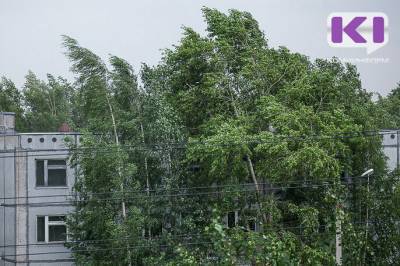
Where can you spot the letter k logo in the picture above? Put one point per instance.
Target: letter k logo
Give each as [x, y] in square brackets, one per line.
[350, 29]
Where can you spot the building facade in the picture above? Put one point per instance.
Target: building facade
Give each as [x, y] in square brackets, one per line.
[35, 187]
[391, 147]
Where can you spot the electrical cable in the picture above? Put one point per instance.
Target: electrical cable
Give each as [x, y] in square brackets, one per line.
[167, 237]
[152, 245]
[146, 194]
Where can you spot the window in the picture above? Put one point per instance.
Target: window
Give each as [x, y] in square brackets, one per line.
[252, 225]
[51, 173]
[152, 231]
[51, 228]
[233, 218]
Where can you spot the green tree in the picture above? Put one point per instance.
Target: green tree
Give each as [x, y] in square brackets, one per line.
[238, 99]
[100, 114]
[124, 118]
[226, 126]
[11, 101]
[391, 108]
[48, 104]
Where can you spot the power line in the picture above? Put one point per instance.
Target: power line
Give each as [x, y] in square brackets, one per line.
[146, 197]
[273, 230]
[276, 227]
[155, 196]
[101, 249]
[145, 190]
[278, 185]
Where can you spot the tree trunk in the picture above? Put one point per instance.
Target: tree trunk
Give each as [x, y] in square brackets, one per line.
[251, 167]
[119, 170]
[146, 167]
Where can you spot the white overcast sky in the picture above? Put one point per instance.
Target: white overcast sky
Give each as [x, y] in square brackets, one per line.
[30, 31]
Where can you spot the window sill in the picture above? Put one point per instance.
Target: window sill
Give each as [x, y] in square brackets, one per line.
[51, 242]
[50, 187]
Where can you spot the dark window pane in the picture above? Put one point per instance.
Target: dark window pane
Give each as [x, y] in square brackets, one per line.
[56, 162]
[39, 173]
[231, 219]
[57, 233]
[252, 225]
[146, 232]
[156, 230]
[40, 229]
[56, 218]
[57, 177]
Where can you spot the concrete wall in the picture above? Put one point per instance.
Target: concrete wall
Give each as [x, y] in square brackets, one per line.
[21, 207]
[18, 180]
[53, 147]
[391, 147]
[8, 145]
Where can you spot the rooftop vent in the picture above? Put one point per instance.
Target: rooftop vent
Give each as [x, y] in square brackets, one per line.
[64, 128]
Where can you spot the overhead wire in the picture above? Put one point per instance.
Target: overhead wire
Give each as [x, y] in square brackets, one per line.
[161, 245]
[276, 186]
[275, 227]
[145, 197]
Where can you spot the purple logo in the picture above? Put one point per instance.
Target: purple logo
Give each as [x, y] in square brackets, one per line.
[367, 30]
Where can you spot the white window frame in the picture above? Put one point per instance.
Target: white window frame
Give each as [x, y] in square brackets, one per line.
[48, 223]
[257, 226]
[46, 169]
[236, 222]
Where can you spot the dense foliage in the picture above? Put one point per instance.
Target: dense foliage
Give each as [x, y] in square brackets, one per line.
[390, 106]
[227, 152]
